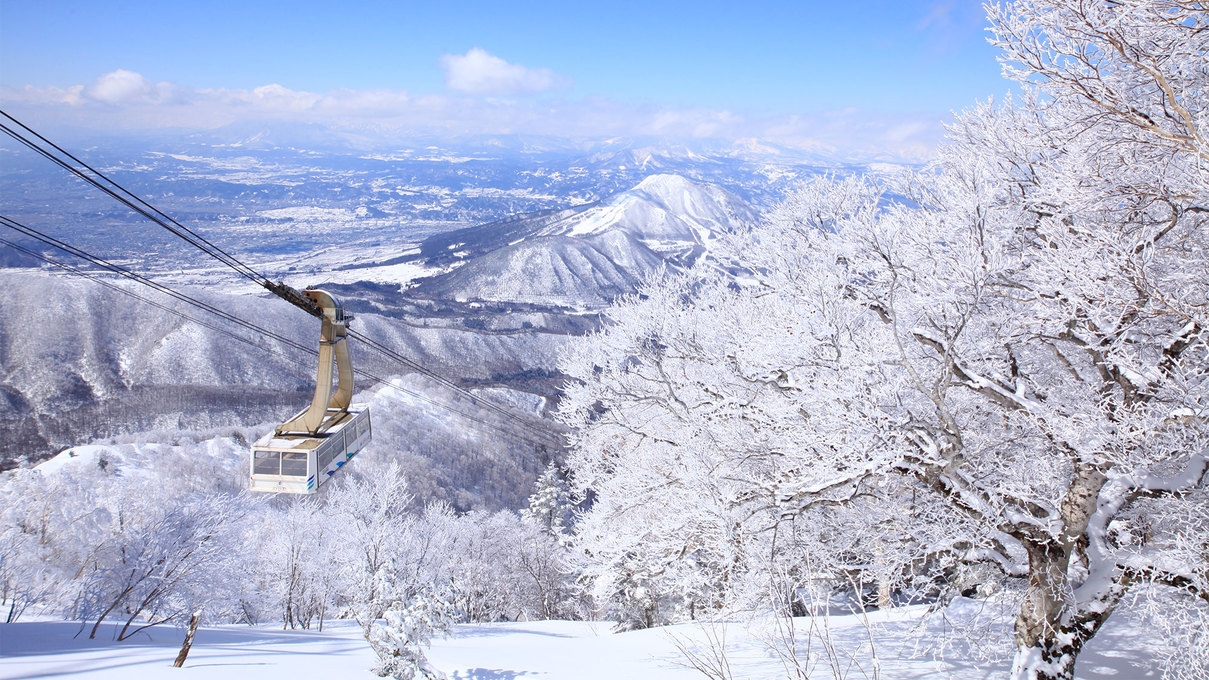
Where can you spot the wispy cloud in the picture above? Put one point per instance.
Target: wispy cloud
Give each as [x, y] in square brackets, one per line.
[950, 23]
[124, 100]
[939, 13]
[477, 72]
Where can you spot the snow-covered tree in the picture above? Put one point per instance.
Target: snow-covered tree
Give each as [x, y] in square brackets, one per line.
[147, 548]
[373, 510]
[481, 586]
[539, 552]
[550, 504]
[103, 539]
[400, 641]
[27, 574]
[296, 565]
[670, 433]
[163, 563]
[999, 360]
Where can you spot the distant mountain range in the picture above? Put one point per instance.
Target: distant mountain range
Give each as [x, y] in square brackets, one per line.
[584, 257]
[273, 197]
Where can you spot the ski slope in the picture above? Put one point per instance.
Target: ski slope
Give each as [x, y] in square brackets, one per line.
[549, 650]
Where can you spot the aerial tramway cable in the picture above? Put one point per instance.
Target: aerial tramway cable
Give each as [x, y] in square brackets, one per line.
[124, 291]
[128, 198]
[94, 177]
[122, 271]
[16, 226]
[383, 349]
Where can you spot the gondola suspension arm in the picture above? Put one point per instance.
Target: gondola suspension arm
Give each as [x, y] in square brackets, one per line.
[333, 348]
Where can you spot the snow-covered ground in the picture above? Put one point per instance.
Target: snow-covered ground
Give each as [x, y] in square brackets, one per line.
[550, 650]
[51, 649]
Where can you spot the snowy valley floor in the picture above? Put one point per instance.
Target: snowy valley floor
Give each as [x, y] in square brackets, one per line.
[546, 650]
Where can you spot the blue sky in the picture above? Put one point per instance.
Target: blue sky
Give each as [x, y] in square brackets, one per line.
[734, 69]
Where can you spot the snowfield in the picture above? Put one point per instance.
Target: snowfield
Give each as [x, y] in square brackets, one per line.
[49, 649]
[550, 650]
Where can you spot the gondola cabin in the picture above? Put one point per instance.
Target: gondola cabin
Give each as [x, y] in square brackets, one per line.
[304, 451]
[300, 463]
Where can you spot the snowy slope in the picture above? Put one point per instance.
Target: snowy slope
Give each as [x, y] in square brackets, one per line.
[552, 650]
[453, 449]
[552, 270]
[85, 361]
[93, 364]
[51, 650]
[661, 208]
[585, 257]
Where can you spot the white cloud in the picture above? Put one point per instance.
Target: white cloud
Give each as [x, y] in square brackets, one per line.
[124, 100]
[277, 97]
[478, 72]
[119, 86]
[122, 87]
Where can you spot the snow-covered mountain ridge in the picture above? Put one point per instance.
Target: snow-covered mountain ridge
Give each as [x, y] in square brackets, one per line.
[661, 207]
[585, 257]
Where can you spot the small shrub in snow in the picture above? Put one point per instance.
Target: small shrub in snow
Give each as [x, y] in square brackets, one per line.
[403, 634]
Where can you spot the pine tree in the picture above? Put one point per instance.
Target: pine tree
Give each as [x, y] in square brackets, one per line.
[550, 505]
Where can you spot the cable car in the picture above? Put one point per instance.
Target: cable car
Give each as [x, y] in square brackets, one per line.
[306, 450]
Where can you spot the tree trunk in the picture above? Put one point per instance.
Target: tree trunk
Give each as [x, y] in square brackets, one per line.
[883, 595]
[1050, 662]
[118, 600]
[1040, 652]
[188, 643]
[1053, 623]
[883, 585]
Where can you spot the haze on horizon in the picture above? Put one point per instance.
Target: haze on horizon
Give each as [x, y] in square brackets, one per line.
[812, 76]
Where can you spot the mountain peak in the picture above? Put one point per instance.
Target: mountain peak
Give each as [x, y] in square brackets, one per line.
[587, 256]
[661, 207]
[664, 182]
